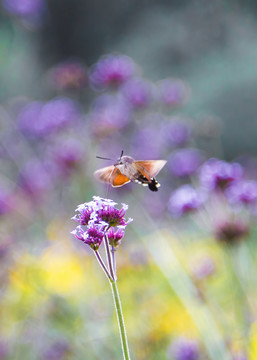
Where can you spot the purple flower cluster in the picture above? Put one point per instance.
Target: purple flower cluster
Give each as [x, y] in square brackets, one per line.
[183, 348]
[97, 219]
[111, 70]
[185, 199]
[38, 119]
[242, 192]
[216, 174]
[24, 7]
[215, 177]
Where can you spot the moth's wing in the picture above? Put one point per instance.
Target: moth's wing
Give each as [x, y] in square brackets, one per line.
[150, 168]
[105, 174]
[119, 179]
[111, 175]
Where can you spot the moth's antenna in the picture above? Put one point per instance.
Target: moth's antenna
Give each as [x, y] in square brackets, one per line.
[122, 152]
[103, 158]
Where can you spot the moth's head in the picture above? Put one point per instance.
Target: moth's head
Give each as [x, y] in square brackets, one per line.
[125, 160]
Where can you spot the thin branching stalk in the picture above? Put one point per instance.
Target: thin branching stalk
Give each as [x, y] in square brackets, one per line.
[103, 266]
[108, 255]
[113, 261]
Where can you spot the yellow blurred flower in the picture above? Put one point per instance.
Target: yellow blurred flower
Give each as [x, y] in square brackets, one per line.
[253, 342]
[64, 273]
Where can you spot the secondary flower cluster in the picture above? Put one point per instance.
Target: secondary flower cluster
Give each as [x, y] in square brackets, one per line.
[97, 219]
[213, 176]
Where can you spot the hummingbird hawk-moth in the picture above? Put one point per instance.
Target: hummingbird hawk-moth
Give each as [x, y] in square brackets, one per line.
[127, 169]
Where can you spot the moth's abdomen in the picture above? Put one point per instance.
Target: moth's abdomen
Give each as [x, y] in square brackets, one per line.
[153, 185]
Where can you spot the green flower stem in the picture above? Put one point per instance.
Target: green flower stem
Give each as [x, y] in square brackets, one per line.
[123, 335]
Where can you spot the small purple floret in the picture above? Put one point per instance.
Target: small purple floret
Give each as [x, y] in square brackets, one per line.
[115, 237]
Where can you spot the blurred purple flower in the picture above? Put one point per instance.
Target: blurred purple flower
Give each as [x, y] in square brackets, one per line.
[185, 199]
[176, 133]
[184, 162]
[111, 70]
[109, 113]
[28, 119]
[59, 113]
[172, 92]
[66, 156]
[24, 7]
[58, 351]
[216, 173]
[244, 192]
[69, 75]
[203, 267]
[231, 231]
[35, 178]
[41, 119]
[137, 92]
[183, 348]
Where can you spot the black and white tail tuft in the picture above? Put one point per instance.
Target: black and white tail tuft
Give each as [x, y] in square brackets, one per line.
[153, 185]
